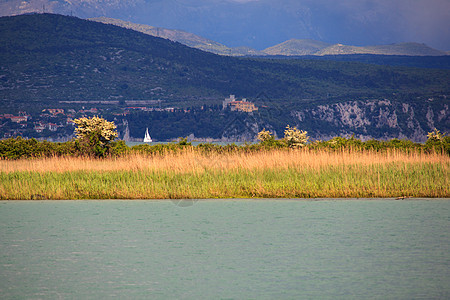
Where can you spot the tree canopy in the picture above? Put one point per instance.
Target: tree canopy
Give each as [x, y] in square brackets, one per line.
[94, 135]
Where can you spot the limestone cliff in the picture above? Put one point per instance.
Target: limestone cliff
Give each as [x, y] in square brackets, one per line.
[380, 119]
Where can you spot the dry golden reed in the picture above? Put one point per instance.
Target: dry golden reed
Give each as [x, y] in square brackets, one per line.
[192, 161]
[191, 174]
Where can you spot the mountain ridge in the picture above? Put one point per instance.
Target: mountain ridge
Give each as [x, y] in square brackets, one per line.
[119, 60]
[264, 23]
[297, 47]
[49, 60]
[408, 49]
[183, 37]
[292, 47]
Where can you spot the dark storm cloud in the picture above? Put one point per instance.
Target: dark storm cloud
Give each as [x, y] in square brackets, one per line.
[425, 21]
[261, 23]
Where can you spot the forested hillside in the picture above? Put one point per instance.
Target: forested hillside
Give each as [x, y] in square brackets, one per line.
[48, 57]
[48, 60]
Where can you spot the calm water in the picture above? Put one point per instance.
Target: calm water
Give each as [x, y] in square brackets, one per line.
[224, 249]
[131, 144]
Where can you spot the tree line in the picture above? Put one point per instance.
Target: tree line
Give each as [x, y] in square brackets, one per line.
[96, 137]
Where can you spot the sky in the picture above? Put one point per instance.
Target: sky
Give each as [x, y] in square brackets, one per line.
[263, 23]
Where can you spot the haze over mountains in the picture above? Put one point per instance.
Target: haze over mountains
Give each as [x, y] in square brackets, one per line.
[293, 47]
[312, 47]
[183, 37]
[260, 24]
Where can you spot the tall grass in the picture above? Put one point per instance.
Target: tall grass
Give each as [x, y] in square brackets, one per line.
[191, 174]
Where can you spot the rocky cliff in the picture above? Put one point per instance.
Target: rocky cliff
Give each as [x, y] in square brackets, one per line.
[380, 119]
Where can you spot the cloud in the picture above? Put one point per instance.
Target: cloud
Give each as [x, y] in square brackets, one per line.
[263, 23]
[381, 21]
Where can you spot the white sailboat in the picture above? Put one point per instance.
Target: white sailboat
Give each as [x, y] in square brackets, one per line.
[147, 138]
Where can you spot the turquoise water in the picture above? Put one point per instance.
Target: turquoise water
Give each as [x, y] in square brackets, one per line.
[225, 249]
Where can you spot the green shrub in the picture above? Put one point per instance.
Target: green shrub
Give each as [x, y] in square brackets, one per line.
[118, 148]
[16, 148]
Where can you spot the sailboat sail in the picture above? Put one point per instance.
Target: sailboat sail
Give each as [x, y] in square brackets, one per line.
[147, 138]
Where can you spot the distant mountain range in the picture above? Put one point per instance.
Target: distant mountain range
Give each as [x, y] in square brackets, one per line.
[183, 37]
[297, 47]
[48, 60]
[293, 47]
[46, 56]
[263, 23]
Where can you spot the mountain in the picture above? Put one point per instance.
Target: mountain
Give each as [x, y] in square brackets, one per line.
[296, 47]
[293, 47]
[263, 23]
[410, 49]
[311, 47]
[46, 56]
[183, 37]
[82, 8]
[50, 61]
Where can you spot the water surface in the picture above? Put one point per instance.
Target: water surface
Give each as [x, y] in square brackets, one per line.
[193, 143]
[225, 249]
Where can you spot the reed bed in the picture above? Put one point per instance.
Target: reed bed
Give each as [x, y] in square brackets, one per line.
[190, 160]
[191, 174]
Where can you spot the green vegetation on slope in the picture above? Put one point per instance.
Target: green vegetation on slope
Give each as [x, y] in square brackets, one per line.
[183, 37]
[52, 57]
[293, 47]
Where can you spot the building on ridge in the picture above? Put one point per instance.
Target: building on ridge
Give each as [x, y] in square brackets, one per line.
[236, 105]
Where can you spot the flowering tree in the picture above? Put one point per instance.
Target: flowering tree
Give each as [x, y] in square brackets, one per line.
[94, 135]
[438, 141]
[295, 138]
[435, 135]
[264, 136]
